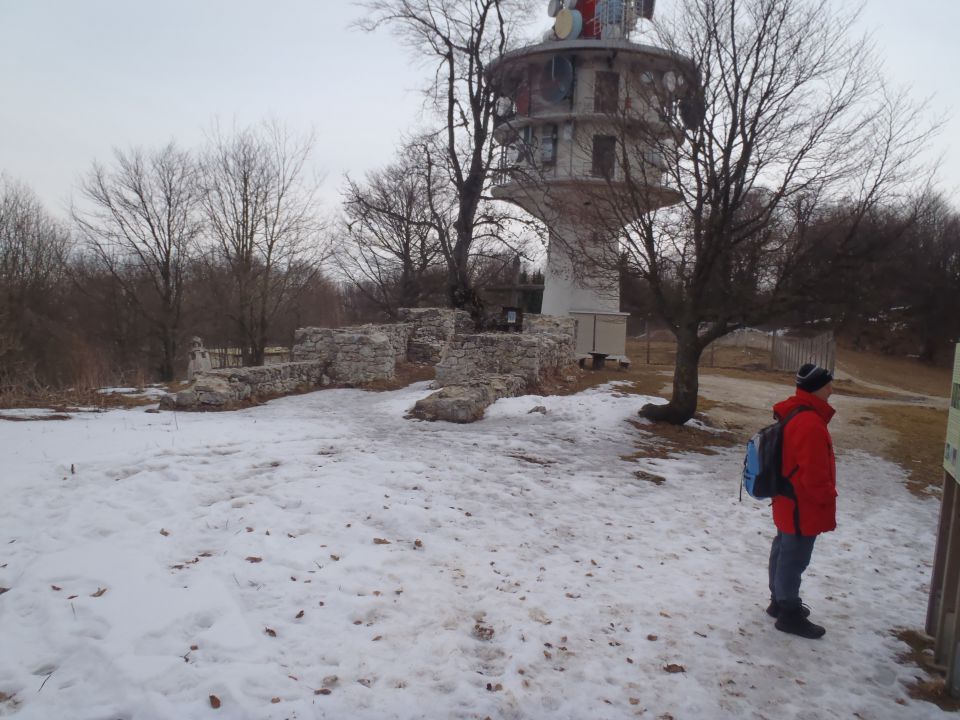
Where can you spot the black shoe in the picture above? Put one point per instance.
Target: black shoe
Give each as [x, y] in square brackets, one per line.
[773, 609]
[792, 621]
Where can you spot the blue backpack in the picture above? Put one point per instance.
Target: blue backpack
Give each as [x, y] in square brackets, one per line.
[762, 466]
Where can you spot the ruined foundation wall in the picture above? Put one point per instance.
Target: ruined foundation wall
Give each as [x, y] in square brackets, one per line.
[531, 356]
[432, 329]
[220, 389]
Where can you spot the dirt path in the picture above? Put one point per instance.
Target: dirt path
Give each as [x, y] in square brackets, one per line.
[745, 405]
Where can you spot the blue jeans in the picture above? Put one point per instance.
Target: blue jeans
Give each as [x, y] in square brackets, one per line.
[789, 557]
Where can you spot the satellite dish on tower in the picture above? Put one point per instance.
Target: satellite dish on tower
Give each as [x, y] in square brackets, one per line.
[557, 80]
[503, 107]
[568, 24]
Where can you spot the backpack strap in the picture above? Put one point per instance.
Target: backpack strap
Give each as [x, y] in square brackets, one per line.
[792, 414]
[792, 494]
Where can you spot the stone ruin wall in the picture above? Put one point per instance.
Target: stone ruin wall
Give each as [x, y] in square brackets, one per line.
[221, 389]
[533, 356]
[473, 370]
[351, 356]
[433, 329]
[478, 369]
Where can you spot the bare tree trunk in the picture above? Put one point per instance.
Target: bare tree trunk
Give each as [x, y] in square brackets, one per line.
[686, 382]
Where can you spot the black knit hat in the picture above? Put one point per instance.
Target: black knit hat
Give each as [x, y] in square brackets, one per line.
[811, 377]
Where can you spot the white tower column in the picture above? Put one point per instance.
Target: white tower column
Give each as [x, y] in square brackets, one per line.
[578, 277]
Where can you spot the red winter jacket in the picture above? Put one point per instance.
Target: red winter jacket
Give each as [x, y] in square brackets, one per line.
[808, 449]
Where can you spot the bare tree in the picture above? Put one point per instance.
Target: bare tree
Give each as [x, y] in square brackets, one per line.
[33, 249]
[927, 271]
[457, 39]
[139, 219]
[391, 238]
[779, 117]
[261, 223]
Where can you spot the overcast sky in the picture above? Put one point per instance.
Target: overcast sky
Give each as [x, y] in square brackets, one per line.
[80, 77]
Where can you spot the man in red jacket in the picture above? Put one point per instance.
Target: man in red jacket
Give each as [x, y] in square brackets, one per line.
[811, 508]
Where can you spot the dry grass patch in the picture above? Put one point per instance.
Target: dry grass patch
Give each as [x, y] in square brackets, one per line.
[910, 375]
[918, 445]
[73, 399]
[642, 379]
[850, 388]
[921, 654]
[661, 440]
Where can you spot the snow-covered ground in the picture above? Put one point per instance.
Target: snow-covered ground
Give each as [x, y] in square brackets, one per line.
[322, 557]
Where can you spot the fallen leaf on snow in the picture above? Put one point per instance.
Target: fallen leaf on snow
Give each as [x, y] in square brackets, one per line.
[651, 638]
[482, 632]
[55, 587]
[299, 614]
[275, 700]
[99, 592]
[674, 668]
[634, 701]
[418, 544]
[254, 559]
[214, 702]
[380, 541]
[164, 532]
[322, 691]
[194, 647]
[270, 631]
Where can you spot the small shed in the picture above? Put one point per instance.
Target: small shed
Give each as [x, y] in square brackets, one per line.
[943, 609]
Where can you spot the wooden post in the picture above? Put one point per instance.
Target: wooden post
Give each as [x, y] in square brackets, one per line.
[947, 619]
[649, 330]
[940, 556]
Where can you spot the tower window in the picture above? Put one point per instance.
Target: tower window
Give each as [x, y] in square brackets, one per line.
[548, 144]
[604, 155]
[606, 92]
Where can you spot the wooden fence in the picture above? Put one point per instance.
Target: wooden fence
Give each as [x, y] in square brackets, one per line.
[746, 347]
[233, 357]
[791, 353]
[786, 353]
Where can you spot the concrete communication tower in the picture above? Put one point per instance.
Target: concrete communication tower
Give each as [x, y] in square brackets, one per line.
[567, 105]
